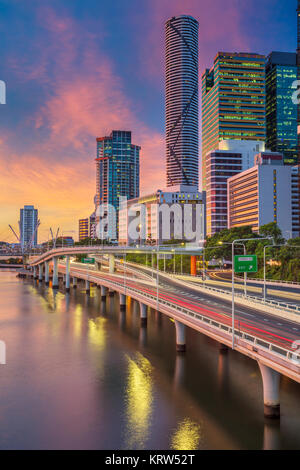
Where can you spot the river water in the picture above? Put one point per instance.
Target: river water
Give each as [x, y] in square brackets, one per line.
[80, 374]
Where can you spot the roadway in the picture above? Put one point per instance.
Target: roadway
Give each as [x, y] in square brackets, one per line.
[269, 327]
[222, 280]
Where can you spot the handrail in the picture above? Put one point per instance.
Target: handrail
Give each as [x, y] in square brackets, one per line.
[272, 348]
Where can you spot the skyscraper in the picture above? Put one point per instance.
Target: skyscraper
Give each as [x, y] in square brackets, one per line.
[28, 226]
[281, 112]
[182, 151]
[233, 101]
[298, 65]
[118, 170]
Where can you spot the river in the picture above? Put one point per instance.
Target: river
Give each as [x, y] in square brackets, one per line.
[80, 374]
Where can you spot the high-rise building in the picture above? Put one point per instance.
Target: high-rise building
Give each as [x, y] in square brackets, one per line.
[233, 101]
[262, 194]
[281, 112]
[296, 201]
[83, 229]
[298, 65]
[28, 226]
[232, 157]
[118, 171]
[182, 152]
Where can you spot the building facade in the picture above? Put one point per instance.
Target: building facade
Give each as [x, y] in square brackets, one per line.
[233, 101]
[117, 172]
[262, 195]
[83, 231]
[296, 201]
[28, 226]
[233, 157]
[163, 216]
[182, 147]
[281, 112]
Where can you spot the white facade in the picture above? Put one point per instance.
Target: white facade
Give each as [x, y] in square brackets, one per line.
[163, 216]
[262, 194]
[248, 149]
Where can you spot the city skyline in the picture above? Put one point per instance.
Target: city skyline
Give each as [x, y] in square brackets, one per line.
[54, 151]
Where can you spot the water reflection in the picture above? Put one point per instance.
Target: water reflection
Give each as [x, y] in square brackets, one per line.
[139, 401]
[187, 436]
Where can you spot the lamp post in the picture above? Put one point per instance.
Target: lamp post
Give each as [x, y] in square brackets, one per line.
[232, 305]
[245, 274]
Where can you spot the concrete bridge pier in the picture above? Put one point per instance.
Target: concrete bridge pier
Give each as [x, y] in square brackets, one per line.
[74, 282]
[40, 272]
[87, 286]
[34, 273]
[122, 301]
[55, 273]
[103, 292]
[180, 336]
[47, 273]
[143, 311]
[111, 259]
[271, 385]
[68, 274]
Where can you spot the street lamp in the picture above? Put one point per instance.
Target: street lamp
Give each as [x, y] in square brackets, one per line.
[245, 274]
[232, 305]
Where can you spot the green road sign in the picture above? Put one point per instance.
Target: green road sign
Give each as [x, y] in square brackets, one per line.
[88, 260]
[245, 264]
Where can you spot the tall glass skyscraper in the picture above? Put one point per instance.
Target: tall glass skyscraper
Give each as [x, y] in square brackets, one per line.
[182, 152]
[233, 101]
[28, 225]
[118, 169]
[281, 72]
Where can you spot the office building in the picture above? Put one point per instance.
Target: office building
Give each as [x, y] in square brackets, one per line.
[163, 216]
[281, 112]
[296, 201]
[262, 195]
[182, 152]
[233, 157]
[233, 101]
[118, 174]
[28, 226]
[83, 232]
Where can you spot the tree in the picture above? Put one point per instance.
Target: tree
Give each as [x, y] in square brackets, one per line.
[272, 230]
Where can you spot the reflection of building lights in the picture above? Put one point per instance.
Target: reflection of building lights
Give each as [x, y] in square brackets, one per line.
[187, 436]
[77, 322]
[97, 334]
[139, 401]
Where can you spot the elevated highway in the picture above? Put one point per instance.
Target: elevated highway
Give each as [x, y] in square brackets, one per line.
[269, 339]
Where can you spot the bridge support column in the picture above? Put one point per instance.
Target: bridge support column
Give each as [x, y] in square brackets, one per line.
[55, 273]
[111, 293]
[143, 310]
[111, 259]
[40, 272]
[74, 282]
[180, 336]
[271, 385]
[87, 286]
[47, 273]
[34, 272]
[103, 292]
[68, 274]
[122, 301]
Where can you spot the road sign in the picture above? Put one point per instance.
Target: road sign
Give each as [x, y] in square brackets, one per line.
[245, 264]
[88, 260]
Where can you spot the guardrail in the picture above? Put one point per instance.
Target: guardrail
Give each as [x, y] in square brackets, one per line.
[274, 349]
[292, 308]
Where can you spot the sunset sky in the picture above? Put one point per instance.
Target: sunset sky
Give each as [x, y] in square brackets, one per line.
[75, 70]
